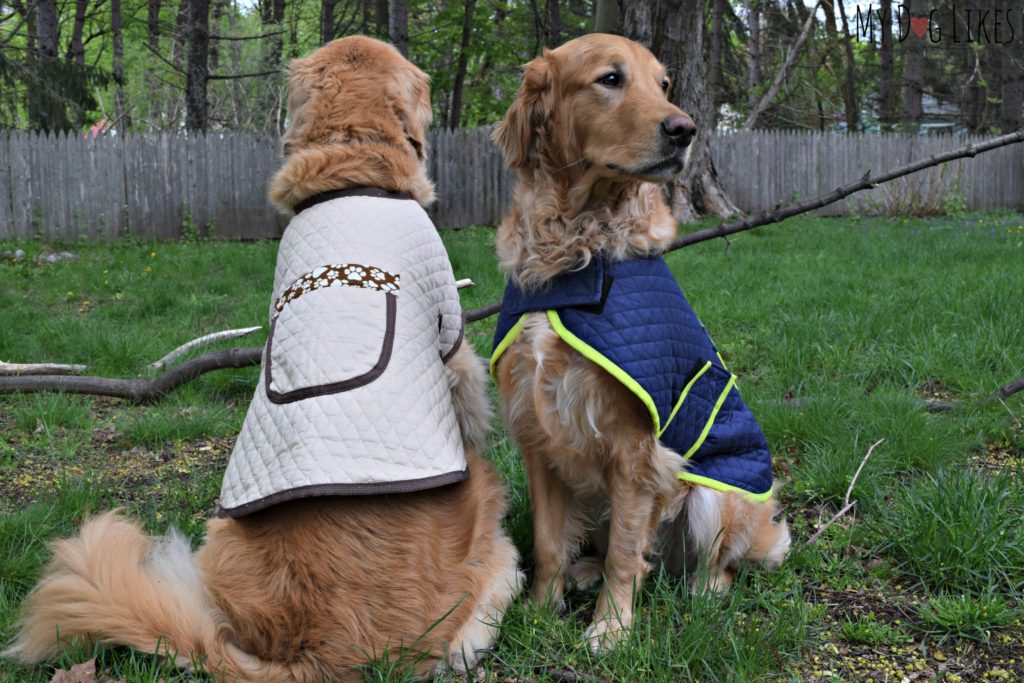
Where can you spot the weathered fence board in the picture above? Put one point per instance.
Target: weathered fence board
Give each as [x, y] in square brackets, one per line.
[64, 186]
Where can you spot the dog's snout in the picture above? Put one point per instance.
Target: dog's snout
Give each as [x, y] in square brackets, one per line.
[679, 128]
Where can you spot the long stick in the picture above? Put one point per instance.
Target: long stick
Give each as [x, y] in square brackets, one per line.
[781, 213]
[137, 390]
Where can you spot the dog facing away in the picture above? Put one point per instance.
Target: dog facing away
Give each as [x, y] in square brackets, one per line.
[592, 136]
[309, 588]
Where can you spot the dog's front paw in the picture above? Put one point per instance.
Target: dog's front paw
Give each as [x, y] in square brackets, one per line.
[605, 633]
[585, 573]
[716, 582]
[550, 594]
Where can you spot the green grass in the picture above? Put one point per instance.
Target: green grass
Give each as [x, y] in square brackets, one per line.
[842, 333]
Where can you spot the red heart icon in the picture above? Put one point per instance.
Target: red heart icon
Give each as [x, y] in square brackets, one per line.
[919, 25]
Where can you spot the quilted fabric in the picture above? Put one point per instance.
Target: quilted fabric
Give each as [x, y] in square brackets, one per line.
[353, 397]
[632, 316]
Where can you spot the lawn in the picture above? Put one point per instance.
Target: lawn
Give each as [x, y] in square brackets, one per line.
[843, 332]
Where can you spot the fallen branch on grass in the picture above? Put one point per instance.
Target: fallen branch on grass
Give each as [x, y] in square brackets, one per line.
[847, 503]
[205, 340]
[1011, 388]
[21, 369]
[138, 390]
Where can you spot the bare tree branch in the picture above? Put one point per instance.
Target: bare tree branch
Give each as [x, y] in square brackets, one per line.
[137, 390]
[780, 213]
[1012, 388]
[791, 56]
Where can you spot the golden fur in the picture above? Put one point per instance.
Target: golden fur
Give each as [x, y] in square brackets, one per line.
[310, 590]
[589, 157]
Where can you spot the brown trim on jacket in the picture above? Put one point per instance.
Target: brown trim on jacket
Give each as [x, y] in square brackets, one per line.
[405, 486]
[345, 385]
[378, 192]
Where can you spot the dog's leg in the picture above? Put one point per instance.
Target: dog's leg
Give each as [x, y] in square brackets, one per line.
[624, 566]
[479, 634]
[549, 498]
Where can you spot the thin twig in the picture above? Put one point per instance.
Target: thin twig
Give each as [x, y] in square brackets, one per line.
[847, 503]
[205, 340]
[780, 213]
[21, 369]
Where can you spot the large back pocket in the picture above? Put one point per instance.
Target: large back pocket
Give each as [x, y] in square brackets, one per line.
[331, 330]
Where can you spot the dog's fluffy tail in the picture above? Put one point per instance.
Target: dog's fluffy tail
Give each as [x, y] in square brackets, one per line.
[113, 585]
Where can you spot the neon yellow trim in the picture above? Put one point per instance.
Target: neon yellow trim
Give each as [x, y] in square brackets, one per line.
[711, 420]
[592, 354]
[682, 397]
[719, 486]
[721, 360]
[506, 342]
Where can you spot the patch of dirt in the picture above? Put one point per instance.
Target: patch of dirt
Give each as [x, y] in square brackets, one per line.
[129, 474]
[905, 655]
[999, 457]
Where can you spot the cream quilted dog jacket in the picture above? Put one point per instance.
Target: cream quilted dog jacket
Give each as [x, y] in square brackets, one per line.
[353, 398]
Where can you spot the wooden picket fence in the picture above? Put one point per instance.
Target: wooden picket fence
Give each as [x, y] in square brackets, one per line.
[164, 186]
[762, 168]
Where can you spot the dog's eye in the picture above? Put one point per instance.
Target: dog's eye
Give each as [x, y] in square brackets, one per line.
[664, 86]
[611, 80]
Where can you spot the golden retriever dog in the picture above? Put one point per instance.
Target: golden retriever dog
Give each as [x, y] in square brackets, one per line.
[311, 589]
[592, 136]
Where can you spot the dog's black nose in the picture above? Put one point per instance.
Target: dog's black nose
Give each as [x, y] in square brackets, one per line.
[680, 129]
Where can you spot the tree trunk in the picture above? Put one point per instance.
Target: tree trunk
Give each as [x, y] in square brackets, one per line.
[198, 73]
[218, 14]
[886, 115]
[76, 50]
[607, 17]
[381, 19]
[52, 112]
[153, 24]
[1012, 81]
[913, 70]
[327, 20]
[850, 81]
[398, 25]
[181, 31]
[715, 62]
[34, 103]
[117, 67]
[460, 71]
[754, 53]
[554, 32]
[675, 33]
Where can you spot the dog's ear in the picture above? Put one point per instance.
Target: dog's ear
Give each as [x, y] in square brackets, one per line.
[516, 135]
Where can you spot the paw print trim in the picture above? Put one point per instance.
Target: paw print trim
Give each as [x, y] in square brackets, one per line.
[339, 275]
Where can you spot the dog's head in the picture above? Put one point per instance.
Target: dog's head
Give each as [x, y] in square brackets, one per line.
[599, 102]
[358, 115]
[357, 89]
